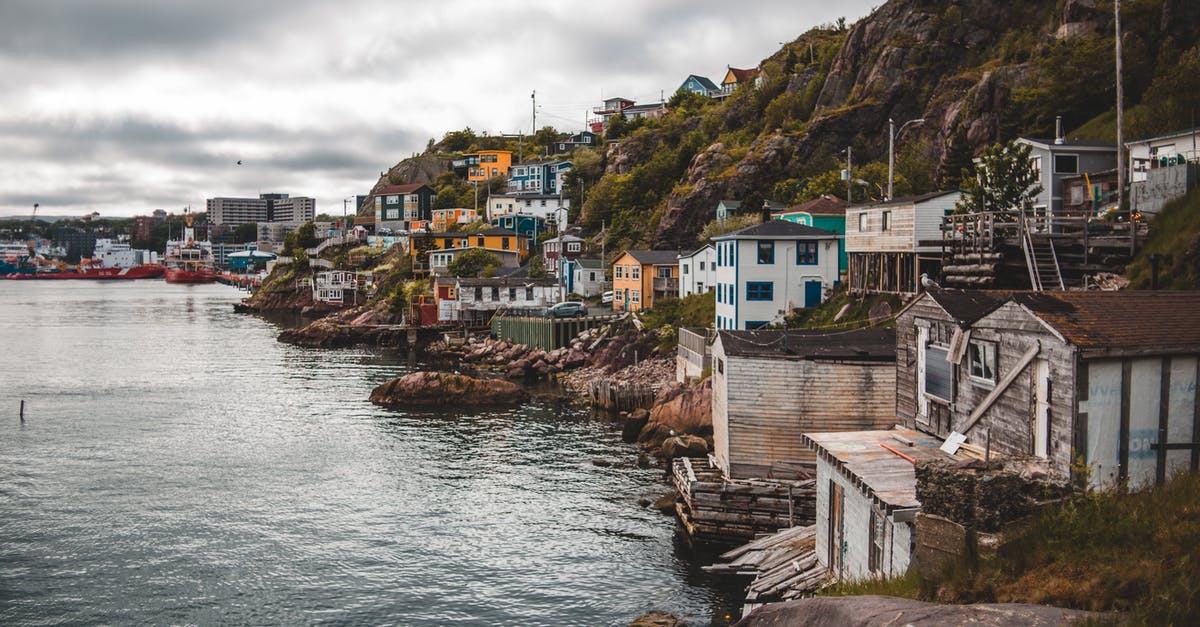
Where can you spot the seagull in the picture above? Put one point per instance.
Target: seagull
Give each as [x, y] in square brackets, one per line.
[239, 162]
[927, 282]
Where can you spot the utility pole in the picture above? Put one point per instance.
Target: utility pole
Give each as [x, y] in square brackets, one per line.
[533, 99]
[1121, 133]
[892, 134]
[849, 177]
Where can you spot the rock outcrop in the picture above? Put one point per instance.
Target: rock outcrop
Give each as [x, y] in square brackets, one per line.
[446, 390]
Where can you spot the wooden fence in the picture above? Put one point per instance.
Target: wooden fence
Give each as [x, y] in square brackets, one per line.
[621, 396]
[544, 333]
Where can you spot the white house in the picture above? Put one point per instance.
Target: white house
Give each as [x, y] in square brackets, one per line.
[698, 271]
[586, 277]
[476, 300]
[867, 499]
[766, 270]
[890, 244]
[1162, 168]
[552, 208]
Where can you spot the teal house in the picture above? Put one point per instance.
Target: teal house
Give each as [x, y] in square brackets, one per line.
[826, 212]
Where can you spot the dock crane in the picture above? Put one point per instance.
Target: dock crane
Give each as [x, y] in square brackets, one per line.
[31, 241]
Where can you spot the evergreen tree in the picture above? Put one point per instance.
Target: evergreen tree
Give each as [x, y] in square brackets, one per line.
[1002, 180]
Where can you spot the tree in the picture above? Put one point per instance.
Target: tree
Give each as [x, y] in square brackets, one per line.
[1002, 179]
[306, 235]
[473, 263]
[246, 232]
[537, 268]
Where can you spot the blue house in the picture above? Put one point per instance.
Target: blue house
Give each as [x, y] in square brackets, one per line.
[586, 139]
[541, 177]
[524, 224]
[700, 85]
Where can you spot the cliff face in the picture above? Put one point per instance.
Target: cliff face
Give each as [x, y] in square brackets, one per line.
[909, 59]
[423, 169]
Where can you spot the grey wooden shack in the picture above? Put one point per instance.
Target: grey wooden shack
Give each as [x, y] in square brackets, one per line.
[769, 387]
[1109, 378]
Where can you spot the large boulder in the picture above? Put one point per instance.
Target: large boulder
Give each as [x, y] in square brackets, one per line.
[684, 446]
[679, 409]
[443, 388]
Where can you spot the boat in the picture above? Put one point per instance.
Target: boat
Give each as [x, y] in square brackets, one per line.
[188, 261]
[149, 271]
[14, 259]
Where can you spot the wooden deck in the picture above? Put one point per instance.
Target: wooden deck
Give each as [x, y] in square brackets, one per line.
[715, 510]
[784, 566]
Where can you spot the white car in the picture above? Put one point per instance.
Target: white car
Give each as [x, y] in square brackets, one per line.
[606, 297]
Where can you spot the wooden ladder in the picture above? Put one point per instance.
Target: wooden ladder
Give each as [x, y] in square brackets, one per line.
[1040, 258]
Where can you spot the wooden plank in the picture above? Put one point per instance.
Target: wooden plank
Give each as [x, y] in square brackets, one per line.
[1002, 386]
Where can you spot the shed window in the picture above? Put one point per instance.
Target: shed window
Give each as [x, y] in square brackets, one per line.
[875, 556]
[478, 293]
[766, 252]
[529, 293]
[512, 294]
[887, 221]
[939, 374]
[862, 222]
[981, 358]
[495, 293]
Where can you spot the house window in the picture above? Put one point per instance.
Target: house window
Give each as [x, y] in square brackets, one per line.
[684, 268]
[504, 243]
[478, 293]
[721, 255]
[573, 247]
[635, 272]
[887, 221]
[806, 253]
[617, 272]
[766, 252]
[701, 268]
[939, 374]
[495, 293]
[512, 294]
[760, 290]
[666, 272]
[862, 222]
[635, 296]
[981, 360]
[592, 276]
[1066, 164]
[1035, 165]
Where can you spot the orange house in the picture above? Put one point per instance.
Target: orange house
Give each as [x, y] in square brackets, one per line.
[486, 164]
[640, 277]
[513, 249]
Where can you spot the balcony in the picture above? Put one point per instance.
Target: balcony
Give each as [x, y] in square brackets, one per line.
[670, 286]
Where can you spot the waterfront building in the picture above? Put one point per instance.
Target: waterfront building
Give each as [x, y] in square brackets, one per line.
[826, 212]
[766, 270]
[476, 300]
[698, 271]
[890, 244]
[586, 277]
[642, 276]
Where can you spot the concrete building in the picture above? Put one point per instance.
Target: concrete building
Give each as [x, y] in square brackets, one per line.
[265, 208]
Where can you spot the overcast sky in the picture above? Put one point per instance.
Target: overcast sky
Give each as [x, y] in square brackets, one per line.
[123, 107]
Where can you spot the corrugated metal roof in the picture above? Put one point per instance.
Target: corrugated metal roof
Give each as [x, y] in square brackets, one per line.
[889, 479]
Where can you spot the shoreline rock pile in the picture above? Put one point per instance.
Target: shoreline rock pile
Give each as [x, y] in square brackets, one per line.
[446, 389]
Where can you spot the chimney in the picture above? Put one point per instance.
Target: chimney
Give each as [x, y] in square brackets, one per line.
[1058, 135]
[766, 211]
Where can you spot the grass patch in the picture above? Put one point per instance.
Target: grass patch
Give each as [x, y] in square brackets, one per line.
[668, 314]
[1175, 232]
[857, 314]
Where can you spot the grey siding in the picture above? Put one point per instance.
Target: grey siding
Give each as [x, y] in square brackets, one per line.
[856, 539]
[762, 406]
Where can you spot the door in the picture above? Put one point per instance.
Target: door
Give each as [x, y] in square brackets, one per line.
[836, 528]
[1041, 408]
[812, 293]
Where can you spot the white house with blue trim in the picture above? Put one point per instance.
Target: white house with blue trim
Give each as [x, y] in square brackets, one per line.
[766, 270]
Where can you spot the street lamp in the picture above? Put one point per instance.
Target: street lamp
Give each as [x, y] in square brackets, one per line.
[892, 134]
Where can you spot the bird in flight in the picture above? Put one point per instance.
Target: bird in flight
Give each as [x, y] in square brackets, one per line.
[239, 162]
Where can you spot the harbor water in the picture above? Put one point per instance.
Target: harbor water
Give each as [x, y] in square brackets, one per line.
[178, 465]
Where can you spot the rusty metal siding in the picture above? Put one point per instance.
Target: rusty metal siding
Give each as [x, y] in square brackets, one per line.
[771, 402]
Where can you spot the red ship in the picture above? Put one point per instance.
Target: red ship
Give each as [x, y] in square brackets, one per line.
[149, 271]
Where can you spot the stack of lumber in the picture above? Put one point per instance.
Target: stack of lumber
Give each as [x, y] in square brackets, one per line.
[714, 509]
[784, 566]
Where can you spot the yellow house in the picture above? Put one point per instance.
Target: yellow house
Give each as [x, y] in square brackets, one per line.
[430, 251]
[642, 276]
[486, 164]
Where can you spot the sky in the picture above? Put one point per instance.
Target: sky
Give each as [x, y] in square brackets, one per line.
[124, 106]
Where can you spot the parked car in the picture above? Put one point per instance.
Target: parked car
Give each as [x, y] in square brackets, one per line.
[606, 298]
[568, 309]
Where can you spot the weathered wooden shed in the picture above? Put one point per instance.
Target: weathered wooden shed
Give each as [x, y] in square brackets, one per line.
[867, 499]
[1106, 377]
[769, 387]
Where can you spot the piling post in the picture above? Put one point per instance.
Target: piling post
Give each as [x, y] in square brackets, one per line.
[22, 411]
